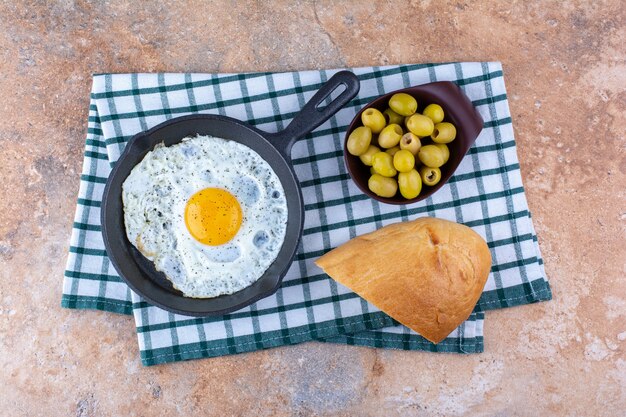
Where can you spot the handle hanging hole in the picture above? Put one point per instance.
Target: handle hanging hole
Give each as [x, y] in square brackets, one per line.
[332, 96]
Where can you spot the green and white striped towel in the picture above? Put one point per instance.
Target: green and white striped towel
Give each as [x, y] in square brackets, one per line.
[486, 194]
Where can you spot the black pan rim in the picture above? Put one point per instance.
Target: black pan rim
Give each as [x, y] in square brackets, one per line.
[111, 251]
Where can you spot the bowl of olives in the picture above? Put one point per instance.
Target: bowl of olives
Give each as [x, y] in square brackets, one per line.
[405, 145]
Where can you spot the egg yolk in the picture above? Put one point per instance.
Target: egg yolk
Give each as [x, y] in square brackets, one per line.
[213, 216]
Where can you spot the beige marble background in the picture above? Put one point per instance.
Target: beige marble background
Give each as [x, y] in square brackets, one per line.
[565, 68]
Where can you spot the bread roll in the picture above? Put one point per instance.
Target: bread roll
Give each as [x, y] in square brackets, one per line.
[427, 274]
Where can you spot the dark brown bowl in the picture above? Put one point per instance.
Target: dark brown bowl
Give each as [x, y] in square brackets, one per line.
[458, 110]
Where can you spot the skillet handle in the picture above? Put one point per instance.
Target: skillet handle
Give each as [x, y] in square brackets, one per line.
[313, 114]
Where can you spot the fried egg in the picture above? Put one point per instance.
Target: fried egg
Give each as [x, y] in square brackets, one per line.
[210, 213]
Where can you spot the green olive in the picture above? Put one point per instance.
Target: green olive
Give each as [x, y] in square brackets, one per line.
[373, 119]
[444, 149]
[410, 142]
[420, 125]
[390, 136]
[431, 156]
[393, 117]
[403, 161]
[435, 112]
[410, 184]
[444, 133]
[403, 104]
[430, 176]
[366, 157]
[392, 151]
[383, 164]
[382, 186]
[359, 140]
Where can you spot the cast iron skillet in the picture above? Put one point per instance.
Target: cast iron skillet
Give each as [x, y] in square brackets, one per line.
[140, 274]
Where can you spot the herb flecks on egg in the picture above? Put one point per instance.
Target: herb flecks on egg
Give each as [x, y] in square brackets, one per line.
[209, 212]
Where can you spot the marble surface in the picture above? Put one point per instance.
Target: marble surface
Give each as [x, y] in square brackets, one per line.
[565, 68]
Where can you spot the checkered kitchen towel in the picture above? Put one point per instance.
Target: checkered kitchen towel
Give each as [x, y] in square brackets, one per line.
[486, 194]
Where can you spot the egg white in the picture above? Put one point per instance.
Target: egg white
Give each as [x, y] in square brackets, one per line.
[155, 195]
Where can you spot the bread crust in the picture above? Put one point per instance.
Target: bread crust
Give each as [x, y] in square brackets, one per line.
[427, 274]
